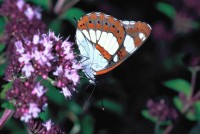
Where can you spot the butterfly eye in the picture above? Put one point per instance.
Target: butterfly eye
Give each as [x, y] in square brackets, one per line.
[98, 21]
[117, 31]
[90, 21]
[113, 26]
[106, 23]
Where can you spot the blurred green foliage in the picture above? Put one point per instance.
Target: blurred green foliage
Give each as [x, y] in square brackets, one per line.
[5, 88]
[166, 9]
[179, 85]
[71, 14]
[45, 4]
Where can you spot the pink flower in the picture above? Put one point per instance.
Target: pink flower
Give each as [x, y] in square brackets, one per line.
[66, 92]
[39, 90]
[48, 124]
[59, 71]
[29, 97]
[19, 47]
[25, 58]
[29, 13]
[34, 110]
[48, 56]
[28, 69]
[20, 4]
[36, 39]
[26, 117]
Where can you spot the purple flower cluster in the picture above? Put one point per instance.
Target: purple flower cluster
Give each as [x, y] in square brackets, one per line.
[46, 55]
[24, 20]
[161, 110]
[28, 98]
[43, 128]
[31, 55]
[194, 5]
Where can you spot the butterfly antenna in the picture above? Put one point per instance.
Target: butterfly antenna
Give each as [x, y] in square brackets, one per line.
[75, 20]
[88, 100]
[102, 105]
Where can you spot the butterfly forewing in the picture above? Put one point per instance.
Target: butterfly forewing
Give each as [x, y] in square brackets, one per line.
[105, 35]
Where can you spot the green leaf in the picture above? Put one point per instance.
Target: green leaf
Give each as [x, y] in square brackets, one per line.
[3, 68]
[147, 115]
[195, 25]
[87, 125]
[44, 115]
[111, 106]
[2, 24]
[166, 9]
[72, 13]
[197, 110]
[178, 103]
[191, 116]
[2, 47]
[179, 85]
[54, 94]
[56, 26]
[8, 105]
[46, 4]
[14, 127]
[5, 87]
[74, 108]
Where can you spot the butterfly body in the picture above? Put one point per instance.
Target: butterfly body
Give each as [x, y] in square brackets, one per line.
[105, 42]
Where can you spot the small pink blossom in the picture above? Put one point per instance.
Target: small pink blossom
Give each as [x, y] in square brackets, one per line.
[20, 4]
[37, 14]
[36, 39]
[19, 47]
[39, 90]
[48, 124]
[29, 13]
[52, 35]
[76, 66]
[25, 58]
[59, 71]
[34, 110]
[69, 56]
[66, 92]
[26, 117]
[28, 69]
[72, 75]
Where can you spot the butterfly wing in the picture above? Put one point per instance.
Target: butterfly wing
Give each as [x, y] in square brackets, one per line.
[99, 37]
[136, 35]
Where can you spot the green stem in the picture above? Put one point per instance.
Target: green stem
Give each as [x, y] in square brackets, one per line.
[6, 115]
[194, 71]
[168, 129]
[157, 127]
[190, 100]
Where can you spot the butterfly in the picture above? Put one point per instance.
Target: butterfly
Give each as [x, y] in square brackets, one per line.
[105, 42]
